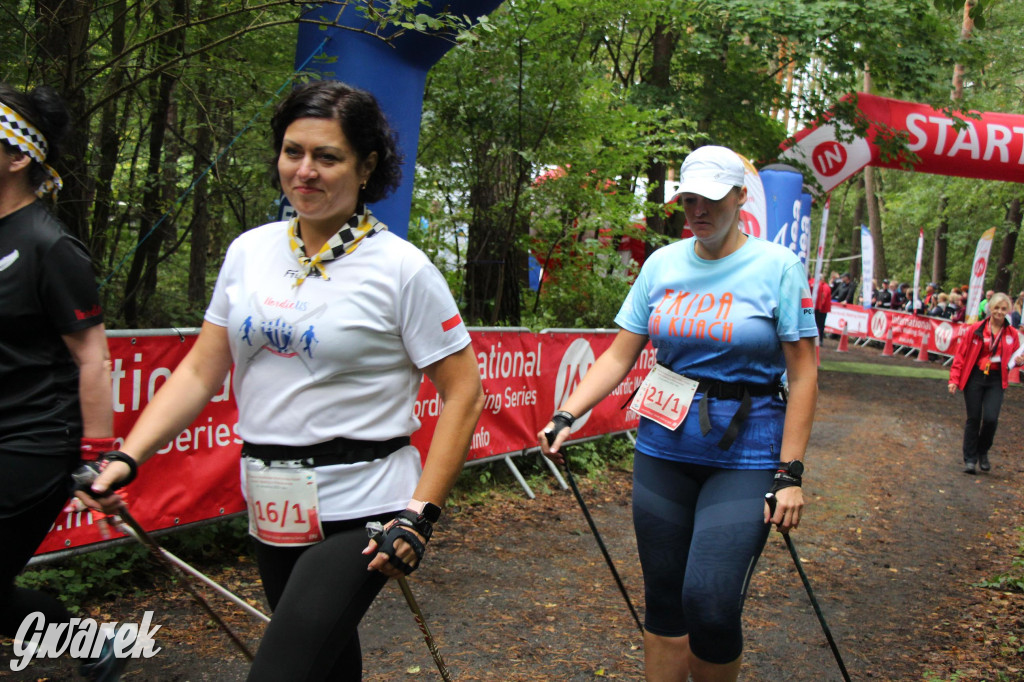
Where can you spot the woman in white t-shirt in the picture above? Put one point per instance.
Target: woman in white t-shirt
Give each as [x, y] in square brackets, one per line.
[330, 321]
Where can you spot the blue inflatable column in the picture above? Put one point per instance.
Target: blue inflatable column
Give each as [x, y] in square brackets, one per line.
[785, 207]
[804, 234]
[395, 72]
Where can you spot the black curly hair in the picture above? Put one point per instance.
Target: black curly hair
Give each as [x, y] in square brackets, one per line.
[362, 121]
[44, 108]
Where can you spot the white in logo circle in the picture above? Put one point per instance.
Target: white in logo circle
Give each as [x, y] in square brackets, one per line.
[577, 359]
[878, 325]
[943, 336]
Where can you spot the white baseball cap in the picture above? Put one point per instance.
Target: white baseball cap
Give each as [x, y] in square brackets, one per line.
[711, 172]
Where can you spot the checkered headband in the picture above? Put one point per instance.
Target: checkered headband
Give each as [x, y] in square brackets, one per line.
[21, 134]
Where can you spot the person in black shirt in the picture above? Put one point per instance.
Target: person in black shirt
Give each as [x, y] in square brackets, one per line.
[54, 362]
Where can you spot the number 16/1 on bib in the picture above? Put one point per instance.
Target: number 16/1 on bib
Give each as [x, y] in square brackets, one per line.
[664, 397]
[282, 505]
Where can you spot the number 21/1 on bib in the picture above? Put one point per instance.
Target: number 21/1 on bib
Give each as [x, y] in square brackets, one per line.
[282, 505]
[664, 397]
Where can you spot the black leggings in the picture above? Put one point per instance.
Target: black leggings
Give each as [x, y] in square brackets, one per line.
[699, 533]
[318, 595]
[21, 535]
[983, 395]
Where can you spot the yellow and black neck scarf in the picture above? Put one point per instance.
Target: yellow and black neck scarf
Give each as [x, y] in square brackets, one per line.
[361, 225]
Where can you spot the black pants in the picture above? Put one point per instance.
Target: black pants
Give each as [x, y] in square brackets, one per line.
[318, 594]
[983, 396]
[21, 534]
[819, 319]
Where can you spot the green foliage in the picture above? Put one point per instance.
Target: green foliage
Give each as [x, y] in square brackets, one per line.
[95, 575]
[599, 283]
[133, 163]
[592, 459]
[107, 573]
[1012, 580]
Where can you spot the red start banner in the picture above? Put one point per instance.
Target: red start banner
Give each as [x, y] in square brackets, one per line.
[525, 376]
[977, 144]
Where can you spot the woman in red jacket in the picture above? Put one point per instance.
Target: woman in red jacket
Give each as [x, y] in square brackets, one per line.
[981, 370]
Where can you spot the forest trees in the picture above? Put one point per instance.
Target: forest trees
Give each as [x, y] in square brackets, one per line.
[159, 93]
[553, 135]
[953, 212]
[633, 89]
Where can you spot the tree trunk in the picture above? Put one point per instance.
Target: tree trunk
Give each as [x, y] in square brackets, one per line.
[940, 245]
[1004, 270]
[64, 36]
[663, 46]
[940, 256]
[141, 281]
[109, 145]
[870, 196]
[200, 225]
[493, 265]
[966, 29]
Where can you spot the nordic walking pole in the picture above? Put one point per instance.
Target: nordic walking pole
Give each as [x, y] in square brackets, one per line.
[375, 530]
[83, 478]
[420, 621]
[551, 435]
[770, 498]
[219, 589]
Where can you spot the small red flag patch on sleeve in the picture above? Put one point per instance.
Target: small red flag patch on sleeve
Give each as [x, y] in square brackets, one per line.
[451, 323]
[806, 303]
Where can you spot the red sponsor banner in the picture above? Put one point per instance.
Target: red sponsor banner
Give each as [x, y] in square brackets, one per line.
[985, 145]
[571, 355]
[907, 329]
[192, 478]
[512, 365]
[525, 376]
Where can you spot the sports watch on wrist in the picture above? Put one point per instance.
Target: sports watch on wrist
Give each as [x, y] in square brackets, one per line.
[427, 510]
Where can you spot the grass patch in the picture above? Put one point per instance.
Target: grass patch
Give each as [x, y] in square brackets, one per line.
[885, 370]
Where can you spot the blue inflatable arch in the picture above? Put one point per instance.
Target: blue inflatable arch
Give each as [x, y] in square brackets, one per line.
[395, 72]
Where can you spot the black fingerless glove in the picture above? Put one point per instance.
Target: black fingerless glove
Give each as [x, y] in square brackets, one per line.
[561, 420]
[785, 479]
[402, 527]
[88, 472]
[118, 456]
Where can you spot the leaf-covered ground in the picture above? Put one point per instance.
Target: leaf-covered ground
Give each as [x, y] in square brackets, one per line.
[896, 543]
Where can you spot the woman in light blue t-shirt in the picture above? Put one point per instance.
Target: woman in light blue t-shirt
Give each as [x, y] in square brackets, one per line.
[730, 314]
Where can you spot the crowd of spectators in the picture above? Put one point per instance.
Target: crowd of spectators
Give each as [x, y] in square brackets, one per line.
[932, 302]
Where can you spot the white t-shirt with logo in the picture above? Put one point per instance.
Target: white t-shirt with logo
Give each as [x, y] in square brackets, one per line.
[341, 357]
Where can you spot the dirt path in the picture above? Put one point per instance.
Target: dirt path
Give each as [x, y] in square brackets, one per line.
[894, 540]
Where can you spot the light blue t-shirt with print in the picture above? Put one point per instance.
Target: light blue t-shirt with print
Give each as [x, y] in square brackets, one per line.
[725, 320]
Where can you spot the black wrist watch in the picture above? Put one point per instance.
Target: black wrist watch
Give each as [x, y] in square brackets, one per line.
[429, 512]
[793, 468]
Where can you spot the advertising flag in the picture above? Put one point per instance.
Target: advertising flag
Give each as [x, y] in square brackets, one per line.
[754, 214]
[783, 186]
[917, 269]
[974, 289]
[819, 263]
[867, 258]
